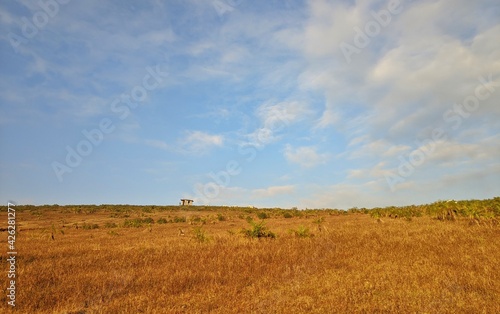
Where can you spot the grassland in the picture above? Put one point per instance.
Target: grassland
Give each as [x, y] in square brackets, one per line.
[438, 258]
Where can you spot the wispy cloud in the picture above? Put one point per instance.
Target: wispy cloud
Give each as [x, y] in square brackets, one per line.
[371, 147]
[376, 172]
[273, 191]
[402, 76]
[197, 142]
[275, 118]
[305, 156]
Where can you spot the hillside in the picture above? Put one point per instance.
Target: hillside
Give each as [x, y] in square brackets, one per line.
[438, 258]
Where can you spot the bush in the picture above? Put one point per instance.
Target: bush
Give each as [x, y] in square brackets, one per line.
[199, 235]
[319, 221]
[161, 221]
[258, 230]
[262, 215]
[87, 226]
[221, 217]
[302, 232]
[110, 225]
[287, 215]
[137, 222]
[179, 219]
[196, 219]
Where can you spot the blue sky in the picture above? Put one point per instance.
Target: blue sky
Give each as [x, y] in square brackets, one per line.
[308, 104]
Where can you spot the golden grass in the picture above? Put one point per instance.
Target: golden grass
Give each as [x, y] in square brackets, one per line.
[354, 265]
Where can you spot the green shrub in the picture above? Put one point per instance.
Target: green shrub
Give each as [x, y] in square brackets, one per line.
[87, 226]
[161, 221]
[262, 215]
[287, 215]
[319, 221]
[199, 235]
[110, 225]
[179, 219]
[137, 222]
[302, 232]
[132, 223]
[258, 230]
[196, 219]
[221, 217]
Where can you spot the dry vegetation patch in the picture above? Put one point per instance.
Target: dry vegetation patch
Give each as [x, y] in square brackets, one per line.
[346, 263]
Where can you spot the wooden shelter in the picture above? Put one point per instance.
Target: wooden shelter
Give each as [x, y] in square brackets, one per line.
[186, 202]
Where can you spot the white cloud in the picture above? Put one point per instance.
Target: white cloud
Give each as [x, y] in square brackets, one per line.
[398, 87]
[488, 177]
[273, 191]
[198, 142]
[402, 76]
[305, 156]
[373, 173]
[380, 147]
[330, 24]
[275, 118]
[450, 152]
[329, 117]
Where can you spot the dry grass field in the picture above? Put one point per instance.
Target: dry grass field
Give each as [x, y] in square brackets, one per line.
[136, 260]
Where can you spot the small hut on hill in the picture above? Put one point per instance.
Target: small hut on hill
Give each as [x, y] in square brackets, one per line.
[186, 202]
